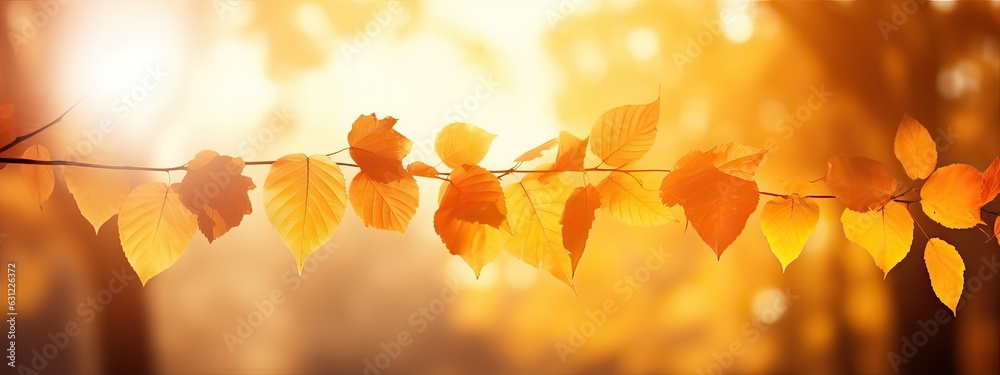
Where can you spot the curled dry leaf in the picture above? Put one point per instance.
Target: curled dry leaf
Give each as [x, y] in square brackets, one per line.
[946, 270]
[535, 210]
[886, 233]
[385, 205]
[577, 220]
[472, 217]
[915, 148]
[40, 180]
[215, 190]
[305, 200]
[991, 181]
[625, 133]
[952, 196]
[419, 168]
[460, 143]
[787, 222]
[378, 148]
[862, 184]
[154, 228]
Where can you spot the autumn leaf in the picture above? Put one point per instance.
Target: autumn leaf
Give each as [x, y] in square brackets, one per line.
[570, 157]
[7, 127]
[625, 199]
[886, 233]
[388, 206]
[155, 228]
[305, 200]
[625, 133]
[460, 143]
[472, 217]
[717, 204]
[40, 180]
[862, 184]
[915, 148]
[577, 220]
[787, 222]
[952, 196]
[996, 230]
[419, 168]
[947, 272]
[535, 210]
[378, 148]
[536, 152]
[215, 190]
[731, 158]
[99, 193]
[991, 181]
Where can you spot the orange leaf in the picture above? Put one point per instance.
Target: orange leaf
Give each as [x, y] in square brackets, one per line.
[536, 152]
[99, 193]
[787, 223]
[39, 179]
[215, 190]
[991, 181]
[946, 270]
[625, 199]
[886, 233]
[952, 196]
[996, 230]
[7, 127]
[915, 148]
[378, 148]
[572, 151]
[625, 133]
[862, 184]
[388, 206]
[577, 219]
[460, 143]
[305, 200]
[472, 217]
[154, 228]
[717, 204]
[535, 210]
[419, 168]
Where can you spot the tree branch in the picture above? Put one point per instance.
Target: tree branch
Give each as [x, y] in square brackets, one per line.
[39, 130]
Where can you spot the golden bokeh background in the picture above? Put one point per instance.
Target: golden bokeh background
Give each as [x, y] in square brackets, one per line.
[160, 81]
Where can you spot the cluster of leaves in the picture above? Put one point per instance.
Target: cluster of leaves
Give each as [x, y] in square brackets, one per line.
[542, 218]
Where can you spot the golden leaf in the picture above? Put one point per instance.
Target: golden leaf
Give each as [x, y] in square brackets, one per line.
[155, 228]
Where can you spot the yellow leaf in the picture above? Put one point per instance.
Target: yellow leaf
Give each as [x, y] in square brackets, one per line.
[991, 181]
[952, 196]
[536, 152]
[419, 168]
[787, 223]
[947, 272]
[388, 206]
[39, 179]
[624, 198]
[886, 233]
[915, 148]
[99, 193]
[378, 148]
[472, 217]
[862, 184]
[625, 133]
[460, 143]
[535, 210]
[577, 219]
[155, 228]
[305, 199]
[996, 230]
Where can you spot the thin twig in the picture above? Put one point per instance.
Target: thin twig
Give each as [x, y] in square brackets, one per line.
[25, 137]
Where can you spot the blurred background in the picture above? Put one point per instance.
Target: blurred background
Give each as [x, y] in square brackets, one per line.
[160, 81]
